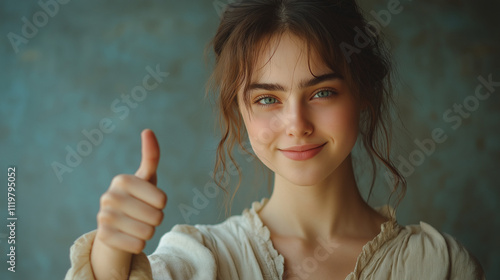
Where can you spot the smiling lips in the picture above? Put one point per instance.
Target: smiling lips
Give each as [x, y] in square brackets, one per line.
[303, 152]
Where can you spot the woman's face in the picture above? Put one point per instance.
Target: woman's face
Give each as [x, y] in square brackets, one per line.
[292, 108]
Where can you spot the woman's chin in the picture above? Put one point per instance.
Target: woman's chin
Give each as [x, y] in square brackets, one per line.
[299, 179]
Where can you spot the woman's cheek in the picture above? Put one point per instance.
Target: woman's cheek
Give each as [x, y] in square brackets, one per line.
[261, 134]
[260, 148]
[262, 130]
[342, 124]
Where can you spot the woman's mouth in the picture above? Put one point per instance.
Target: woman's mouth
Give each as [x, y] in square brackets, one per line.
[303, 152]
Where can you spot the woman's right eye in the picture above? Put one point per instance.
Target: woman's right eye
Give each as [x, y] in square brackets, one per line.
[266, 100]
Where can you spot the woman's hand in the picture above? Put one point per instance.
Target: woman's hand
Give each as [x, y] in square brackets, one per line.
[129, 212]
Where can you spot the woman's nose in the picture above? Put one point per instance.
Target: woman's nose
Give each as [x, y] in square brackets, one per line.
[298, 122]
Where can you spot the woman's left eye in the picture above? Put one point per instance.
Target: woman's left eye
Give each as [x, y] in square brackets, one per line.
[324, 93]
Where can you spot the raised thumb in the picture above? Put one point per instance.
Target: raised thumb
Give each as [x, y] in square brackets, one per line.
[150, 156]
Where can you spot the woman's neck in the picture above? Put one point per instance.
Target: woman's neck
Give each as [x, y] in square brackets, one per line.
[332, 208]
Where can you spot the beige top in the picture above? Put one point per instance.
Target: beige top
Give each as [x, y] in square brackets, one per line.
[241, 248]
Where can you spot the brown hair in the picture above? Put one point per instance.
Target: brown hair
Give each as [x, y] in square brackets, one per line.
[331, 29]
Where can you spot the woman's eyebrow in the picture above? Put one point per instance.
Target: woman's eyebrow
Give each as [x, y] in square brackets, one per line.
[319, 79]
[303, 84]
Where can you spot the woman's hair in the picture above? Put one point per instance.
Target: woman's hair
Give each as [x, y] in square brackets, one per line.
[334, 29]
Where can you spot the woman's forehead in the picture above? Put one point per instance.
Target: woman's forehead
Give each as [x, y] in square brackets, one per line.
[287, 54]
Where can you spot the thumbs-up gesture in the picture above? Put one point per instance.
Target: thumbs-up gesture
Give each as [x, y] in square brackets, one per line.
[129, 212]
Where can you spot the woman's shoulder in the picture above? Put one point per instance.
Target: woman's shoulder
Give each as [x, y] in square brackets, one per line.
[229, 234]
[236, 246]
[196, 251]
[421, 249]
[426, 242]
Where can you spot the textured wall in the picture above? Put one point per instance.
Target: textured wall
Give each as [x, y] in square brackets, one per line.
[73, 72]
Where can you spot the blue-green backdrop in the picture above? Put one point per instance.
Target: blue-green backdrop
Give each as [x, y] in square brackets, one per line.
[67, 67]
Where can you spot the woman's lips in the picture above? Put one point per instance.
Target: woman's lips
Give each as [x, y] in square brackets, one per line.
[304, 152]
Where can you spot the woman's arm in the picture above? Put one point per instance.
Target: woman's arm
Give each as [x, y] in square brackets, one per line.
[108, 262]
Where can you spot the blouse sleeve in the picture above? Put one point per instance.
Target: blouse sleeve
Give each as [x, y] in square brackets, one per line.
[435, 255]
[462, 264]
[80, 261]
[183, 254]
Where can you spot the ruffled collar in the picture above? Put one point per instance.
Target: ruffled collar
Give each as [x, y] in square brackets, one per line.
[388, 231]
[276, 261]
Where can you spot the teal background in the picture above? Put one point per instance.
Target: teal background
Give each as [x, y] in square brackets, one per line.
[66, 77]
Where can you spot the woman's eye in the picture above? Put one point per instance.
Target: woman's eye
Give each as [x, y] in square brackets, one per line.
[324, 93]
[267, 101]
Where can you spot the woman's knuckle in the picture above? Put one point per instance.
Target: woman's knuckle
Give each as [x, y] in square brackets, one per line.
[105, 233]
[106, 199]
[106, 217]
[120, 181]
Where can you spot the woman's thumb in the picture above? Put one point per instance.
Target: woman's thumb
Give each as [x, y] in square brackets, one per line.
[150, 156]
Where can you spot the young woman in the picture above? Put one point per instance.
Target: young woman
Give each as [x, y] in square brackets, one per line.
[295, 75]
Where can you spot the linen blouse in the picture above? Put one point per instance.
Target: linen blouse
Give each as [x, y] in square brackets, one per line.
[241, 248]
